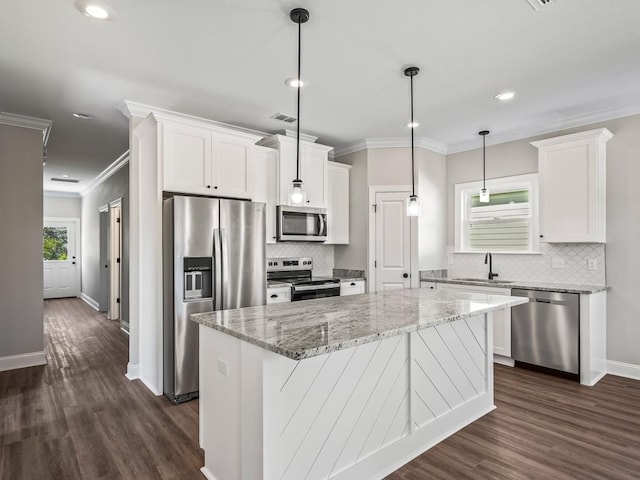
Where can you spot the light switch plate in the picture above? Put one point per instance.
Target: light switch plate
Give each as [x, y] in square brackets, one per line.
[592, 264]
[557, 262]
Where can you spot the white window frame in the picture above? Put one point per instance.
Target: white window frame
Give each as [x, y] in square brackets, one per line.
[463, 192]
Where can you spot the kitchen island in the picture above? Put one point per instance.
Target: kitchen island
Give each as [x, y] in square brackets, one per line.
[342, 387]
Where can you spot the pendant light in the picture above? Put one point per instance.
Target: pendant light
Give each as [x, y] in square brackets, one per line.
[484, 193]
[413, 202]
[297, 195]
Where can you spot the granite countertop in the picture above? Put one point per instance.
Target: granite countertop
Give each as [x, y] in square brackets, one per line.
[306, 329]
[540, 286]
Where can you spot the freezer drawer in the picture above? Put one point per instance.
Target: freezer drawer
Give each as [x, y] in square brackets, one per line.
[546, 331]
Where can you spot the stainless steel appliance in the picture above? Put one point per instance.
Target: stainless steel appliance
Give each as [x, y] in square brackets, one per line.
[546, 331]
[298, 273]
[213, 259]
[301, 224]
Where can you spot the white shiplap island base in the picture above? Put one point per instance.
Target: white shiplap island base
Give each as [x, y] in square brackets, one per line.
[342, 387]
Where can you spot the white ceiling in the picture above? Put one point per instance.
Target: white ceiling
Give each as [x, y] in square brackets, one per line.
[573, 62]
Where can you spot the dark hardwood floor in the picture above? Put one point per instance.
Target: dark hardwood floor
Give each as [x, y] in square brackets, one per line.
[79, 417]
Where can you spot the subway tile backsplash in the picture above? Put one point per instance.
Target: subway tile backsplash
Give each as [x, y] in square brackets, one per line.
[570, 259]
[321, 254]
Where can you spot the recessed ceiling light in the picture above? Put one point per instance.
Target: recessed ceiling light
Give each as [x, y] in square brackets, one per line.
[97, 9]
[294, 82]
[504, 96]
[413, 124]
[84, 116]
[65, 176]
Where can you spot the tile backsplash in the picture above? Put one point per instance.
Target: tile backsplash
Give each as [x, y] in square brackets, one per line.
[321, 254]
[570, 259]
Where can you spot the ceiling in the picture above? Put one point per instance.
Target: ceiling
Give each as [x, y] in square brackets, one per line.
[571, 63]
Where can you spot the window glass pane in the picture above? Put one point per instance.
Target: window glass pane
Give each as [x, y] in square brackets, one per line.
[499, 236]
[55, 243]
[501, 198]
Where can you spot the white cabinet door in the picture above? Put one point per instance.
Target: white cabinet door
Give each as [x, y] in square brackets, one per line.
[265, 186]
[287, 171]
[338, 203]
[572, 187]
[187, 154]
[355, 287]
[278, 295]
[232, 167]
[501, 318]
[430, 285]
[314, 175]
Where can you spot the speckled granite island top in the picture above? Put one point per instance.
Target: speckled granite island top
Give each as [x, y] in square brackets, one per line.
[309, 328]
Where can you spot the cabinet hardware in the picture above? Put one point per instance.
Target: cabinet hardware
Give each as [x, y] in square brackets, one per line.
[208, 186]
[215, 188]
[405, 275]
[274, 296]
[353, 284]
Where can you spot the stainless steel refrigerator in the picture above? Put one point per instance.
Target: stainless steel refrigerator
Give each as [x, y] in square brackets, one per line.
[213, 259]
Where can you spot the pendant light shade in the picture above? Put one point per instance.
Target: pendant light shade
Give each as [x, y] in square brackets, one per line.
[484, 193]
[413, 202]
[296, 193]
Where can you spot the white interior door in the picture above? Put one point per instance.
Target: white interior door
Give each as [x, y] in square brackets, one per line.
[61, 273]
[392, 241]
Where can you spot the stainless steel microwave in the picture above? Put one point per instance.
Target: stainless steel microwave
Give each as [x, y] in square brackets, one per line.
[301, 224]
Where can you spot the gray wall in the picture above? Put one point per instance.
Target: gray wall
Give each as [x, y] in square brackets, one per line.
[21, 304]
[623, 214]
[116, 186]
[69, 207]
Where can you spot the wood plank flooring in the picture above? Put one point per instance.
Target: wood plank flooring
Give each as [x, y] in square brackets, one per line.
[79, 417]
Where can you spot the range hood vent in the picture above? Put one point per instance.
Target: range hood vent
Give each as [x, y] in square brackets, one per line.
[65, 180]
[538, 4]
[284, 118]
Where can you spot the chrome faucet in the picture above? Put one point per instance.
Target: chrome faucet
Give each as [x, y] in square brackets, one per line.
[490, 259]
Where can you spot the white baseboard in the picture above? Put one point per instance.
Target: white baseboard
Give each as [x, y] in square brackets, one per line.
[621, 369]
[133, 371]
[207, 474]
[502, 360]
[150, 386]
[23, 360]
[90, 301]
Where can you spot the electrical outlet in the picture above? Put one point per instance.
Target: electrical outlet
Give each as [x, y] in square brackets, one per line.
[557, 262]
[592, 264]
[223, 367]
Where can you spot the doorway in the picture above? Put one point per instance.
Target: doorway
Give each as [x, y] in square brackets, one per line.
[111, 259]
[60, 245]
[392, 240]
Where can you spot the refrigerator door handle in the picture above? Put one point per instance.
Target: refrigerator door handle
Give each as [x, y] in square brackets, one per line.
[224, 275]
[217, 262]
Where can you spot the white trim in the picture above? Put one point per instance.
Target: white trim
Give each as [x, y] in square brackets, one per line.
[23, 360]
[61, 194]
[89, 301]
[599, 133]
[564, 124]
[207, 474]
[133, 371]
[392, 142]
[502, 360]
[133, 109]
[28, 122]
[621, 369]
[120, 162]
[151, 386]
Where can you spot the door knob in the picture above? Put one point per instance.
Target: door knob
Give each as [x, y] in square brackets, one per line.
[73, 263]
[405, 275]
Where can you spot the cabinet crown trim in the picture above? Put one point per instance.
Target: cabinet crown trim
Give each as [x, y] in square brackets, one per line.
[274, 141]
[599, 133]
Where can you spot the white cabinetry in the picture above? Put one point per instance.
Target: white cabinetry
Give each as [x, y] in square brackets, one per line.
[206, 159]
[338, 203]
[278, 295]
[351, 287]
[572, 171]
[265, 186]
[313, 168]
[501, 318]
[431, 285]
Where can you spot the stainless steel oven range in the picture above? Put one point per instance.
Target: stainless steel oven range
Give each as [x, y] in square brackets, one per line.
[298, 273]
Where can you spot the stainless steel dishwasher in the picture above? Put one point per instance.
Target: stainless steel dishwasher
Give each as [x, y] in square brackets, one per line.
[546, 331]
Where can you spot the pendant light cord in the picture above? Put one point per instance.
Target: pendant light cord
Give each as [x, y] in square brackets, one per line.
[299, 88]
[484, 163]
[413, 183]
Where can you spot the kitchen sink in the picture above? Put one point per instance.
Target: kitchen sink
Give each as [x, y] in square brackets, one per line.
[482, 280]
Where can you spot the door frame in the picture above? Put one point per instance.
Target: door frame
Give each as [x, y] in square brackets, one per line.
[76, 221]
[115, 267]
[414, 279]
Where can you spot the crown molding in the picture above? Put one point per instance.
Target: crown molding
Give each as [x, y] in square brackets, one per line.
[391, 142]
[564, 124]
[120, 162]
[61, 194]
[132, 109]
[28, 122]
[603, 134]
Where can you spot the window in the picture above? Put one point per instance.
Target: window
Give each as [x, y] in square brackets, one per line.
[54, 245]
[507, 223]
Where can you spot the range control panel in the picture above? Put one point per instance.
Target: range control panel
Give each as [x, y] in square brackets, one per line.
[291, 263]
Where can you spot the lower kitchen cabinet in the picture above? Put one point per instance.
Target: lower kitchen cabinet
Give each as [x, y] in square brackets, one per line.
[431, 285]
[278, 295]
[354, 287]
[501, 318]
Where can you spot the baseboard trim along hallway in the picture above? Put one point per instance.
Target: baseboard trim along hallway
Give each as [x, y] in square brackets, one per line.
[621, 369]
[90, 301]
[24, 360]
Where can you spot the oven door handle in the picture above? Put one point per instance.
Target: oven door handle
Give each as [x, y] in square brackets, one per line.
[306, 288]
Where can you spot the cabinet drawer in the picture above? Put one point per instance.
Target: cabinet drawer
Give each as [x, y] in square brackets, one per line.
[278, 295]
[352, 288]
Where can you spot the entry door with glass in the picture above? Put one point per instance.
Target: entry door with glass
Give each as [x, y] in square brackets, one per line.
[60, 269]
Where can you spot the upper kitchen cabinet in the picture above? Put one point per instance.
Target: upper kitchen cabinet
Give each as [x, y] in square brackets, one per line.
[265, 186]
[313, 168]
[338, 203]
[206, 159]
[572, 175]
